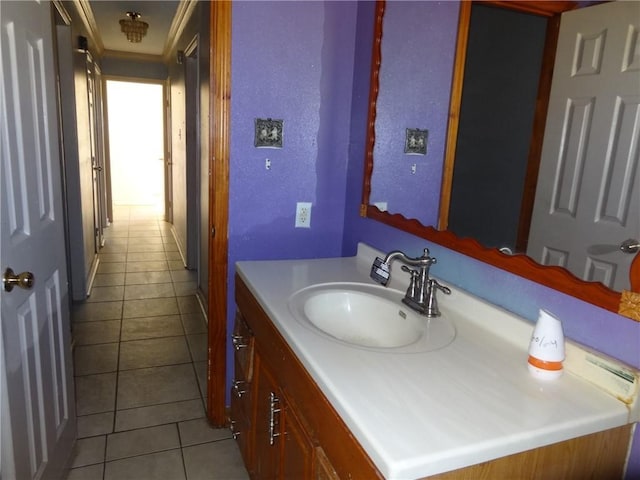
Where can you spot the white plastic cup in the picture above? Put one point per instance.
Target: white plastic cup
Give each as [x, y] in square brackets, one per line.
[546, 350]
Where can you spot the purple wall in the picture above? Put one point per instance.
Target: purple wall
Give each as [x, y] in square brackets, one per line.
[291, 61]
[308, 63]
[417, 66]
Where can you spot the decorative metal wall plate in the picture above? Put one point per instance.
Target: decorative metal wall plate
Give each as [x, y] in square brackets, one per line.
[268, 133]
[416, 141]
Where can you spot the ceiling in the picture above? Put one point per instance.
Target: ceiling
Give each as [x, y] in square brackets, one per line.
[162, 17]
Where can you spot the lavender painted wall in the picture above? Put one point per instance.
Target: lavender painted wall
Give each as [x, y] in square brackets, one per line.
[602, 330]
[291, 61]
[417, 66]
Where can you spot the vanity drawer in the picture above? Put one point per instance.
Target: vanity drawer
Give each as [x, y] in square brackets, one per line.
[241, 426]
[241, 403]
[242, 340]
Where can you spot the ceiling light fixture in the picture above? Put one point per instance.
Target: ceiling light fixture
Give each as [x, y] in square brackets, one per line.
[133, 28]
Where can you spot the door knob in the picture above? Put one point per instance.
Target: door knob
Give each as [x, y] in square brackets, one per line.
[97, 169]
[630, 246]
[22, 280]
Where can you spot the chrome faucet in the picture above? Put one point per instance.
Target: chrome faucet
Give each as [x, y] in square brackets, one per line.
[421, 294]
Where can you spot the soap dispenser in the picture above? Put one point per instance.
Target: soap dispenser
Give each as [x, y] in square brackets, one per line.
[546, 350]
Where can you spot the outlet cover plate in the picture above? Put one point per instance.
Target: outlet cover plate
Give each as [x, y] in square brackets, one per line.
[303, 215]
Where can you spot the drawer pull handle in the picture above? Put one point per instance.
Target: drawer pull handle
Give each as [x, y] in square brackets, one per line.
[274, 401]
[238, 342]
[238, 387]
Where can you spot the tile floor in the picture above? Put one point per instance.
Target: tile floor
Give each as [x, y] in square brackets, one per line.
[140, 365]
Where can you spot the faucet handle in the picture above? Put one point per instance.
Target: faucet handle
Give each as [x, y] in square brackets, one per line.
[434, 283]
[412, 291]
[432, 309]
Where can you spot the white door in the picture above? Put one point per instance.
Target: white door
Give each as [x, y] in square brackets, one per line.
[37, 402]
[588, 193]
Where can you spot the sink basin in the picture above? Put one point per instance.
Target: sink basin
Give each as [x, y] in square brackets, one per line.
[370, 317]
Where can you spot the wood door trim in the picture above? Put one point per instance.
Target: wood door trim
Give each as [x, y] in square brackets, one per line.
[219, 140]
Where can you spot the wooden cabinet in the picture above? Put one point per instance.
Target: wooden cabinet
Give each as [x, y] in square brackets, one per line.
[287, 429]
[284, 425]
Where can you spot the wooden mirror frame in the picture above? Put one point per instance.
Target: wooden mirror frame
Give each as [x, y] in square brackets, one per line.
[554, 277]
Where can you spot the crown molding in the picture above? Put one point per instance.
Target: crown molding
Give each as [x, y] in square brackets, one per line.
[140, 57]
[66, 18]
[89, 21]
[182, 16]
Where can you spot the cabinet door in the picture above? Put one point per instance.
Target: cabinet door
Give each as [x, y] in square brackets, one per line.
[267, 424]
[297, 455]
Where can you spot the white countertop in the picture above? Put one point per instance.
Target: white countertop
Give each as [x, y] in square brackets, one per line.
[420, 414]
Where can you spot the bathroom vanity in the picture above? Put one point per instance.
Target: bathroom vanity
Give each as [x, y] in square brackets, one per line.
[305, 405]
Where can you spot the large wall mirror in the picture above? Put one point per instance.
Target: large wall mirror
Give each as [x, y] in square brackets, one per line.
[406, 183]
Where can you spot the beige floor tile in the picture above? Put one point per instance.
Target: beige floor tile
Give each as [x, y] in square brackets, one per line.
[96, 424]
[156, 385]
[95, 393]
[214, 461]
[145, 256]
[193, 323]
[105, 257]
[93, 312]
[142, 441]
[143, 233]
[174, 256]
[184, 275]
[92, 359]
[115, 267]
[198, 431]
[144, 278]
[92, 472]
[108, 279]
[151, 327]
[90, 333]
[146, 247]
[170, 245]
[88, 451]
[175, 264]
[158, 414]
[198, 346]
[106, 294]
[189, 305]
[155, 466]
[154, 290]
[154, 352]
[116, 245]
[150, 307]
[185, 289]
[147, 266]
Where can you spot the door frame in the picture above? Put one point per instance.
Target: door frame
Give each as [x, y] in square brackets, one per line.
[552, 11]
[166, 138]
[219, 148]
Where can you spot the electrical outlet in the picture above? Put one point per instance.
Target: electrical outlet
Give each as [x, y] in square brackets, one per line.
[303, 215]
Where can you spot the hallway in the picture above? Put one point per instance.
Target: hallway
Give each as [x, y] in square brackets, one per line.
[140, 364]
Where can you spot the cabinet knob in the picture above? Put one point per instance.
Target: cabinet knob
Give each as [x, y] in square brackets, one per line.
[238, 387]
[239, 342]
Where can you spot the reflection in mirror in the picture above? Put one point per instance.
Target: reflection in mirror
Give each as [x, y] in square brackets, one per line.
[554, 277]
[416, 69]
[497, 111]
